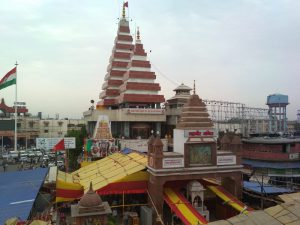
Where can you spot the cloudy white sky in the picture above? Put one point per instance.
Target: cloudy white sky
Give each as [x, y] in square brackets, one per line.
[236, 50]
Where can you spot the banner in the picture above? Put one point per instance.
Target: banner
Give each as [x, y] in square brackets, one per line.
[49, 143]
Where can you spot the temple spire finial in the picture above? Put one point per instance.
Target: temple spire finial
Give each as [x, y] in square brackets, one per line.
[125, 4]
[194, 91]
[138, 34]
[91, 186]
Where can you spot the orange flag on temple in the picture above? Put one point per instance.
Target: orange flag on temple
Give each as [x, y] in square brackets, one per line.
[59, 146]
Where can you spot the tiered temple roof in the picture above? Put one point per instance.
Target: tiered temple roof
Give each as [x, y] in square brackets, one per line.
[118, 63]
[194, 115]
[129, 78]
[139, 86]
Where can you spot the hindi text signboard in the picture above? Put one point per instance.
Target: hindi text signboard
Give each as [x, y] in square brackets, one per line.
[199, 133]
[226, 160]
[173, 162]
[145, 111]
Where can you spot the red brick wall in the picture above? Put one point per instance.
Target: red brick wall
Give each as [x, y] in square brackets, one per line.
[296, 148]
[122, 55]
[124, 29]
[124, 37]
[138, 63]
[141, 98]
[119, 64]
[262, 147]
[112, 92]
[139, 50]
[124, 46]
[270, 148]
[143, 86]
[116, 73]
[270, 156]
[115, 82]
[108, 102]
[140, 74]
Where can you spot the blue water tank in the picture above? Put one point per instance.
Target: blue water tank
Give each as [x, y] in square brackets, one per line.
[278, 99]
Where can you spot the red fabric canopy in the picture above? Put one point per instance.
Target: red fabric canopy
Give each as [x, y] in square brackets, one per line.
[130, 187]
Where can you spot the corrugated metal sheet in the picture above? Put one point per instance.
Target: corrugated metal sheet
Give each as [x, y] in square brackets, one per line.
[267, 188]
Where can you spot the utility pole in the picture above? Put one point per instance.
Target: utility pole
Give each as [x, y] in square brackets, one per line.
[261, 190]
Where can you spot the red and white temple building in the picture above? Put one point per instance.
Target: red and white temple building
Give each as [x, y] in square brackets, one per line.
[130, 96]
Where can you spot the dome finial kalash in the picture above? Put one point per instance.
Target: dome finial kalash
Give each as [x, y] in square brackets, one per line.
[194, 91]
[125, 4]
[138, 34]
[90, 198]
[90, 209]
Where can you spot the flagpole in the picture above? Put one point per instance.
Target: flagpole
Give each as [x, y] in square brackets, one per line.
[16, 99]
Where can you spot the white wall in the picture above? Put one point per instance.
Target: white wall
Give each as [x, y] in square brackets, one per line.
[178, 141]
[140, 145]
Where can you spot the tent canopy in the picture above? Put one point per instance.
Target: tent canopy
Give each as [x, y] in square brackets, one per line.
[18, 191]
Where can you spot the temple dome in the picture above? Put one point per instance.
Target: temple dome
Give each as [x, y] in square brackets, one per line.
[151, 139]
[183, 87]
[90, 199]
[157, 142]
[236, 140]
[225, 139]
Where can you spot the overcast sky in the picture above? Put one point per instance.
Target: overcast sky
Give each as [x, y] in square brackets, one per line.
[236, 50]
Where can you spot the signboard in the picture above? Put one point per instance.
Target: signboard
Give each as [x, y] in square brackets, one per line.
[48, 143]
[200, 154]
[173, 162]
[199, 133]
[226, 160]
[294, 155]
[20, 103]
[145, 111]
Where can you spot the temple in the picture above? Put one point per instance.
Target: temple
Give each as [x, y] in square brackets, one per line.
[186, 172]
[130, 96]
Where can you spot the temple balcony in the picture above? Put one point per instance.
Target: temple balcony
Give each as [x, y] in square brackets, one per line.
[128, 114]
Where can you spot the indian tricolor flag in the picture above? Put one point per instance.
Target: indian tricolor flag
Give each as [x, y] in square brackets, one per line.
[9, 79]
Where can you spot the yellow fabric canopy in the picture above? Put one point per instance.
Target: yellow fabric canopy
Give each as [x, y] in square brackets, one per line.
[110, 169]
[114, 168]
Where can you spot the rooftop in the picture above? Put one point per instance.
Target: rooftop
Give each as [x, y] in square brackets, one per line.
[272, 140]
[285, 213]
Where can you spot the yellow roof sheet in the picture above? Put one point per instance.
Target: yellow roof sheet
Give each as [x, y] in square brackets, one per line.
[110, 169]
[64, 176]
[290, 197]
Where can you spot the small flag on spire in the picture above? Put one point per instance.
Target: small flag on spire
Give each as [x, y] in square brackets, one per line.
[125, 4]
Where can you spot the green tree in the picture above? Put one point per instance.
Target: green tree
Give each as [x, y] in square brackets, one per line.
[79, 136]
